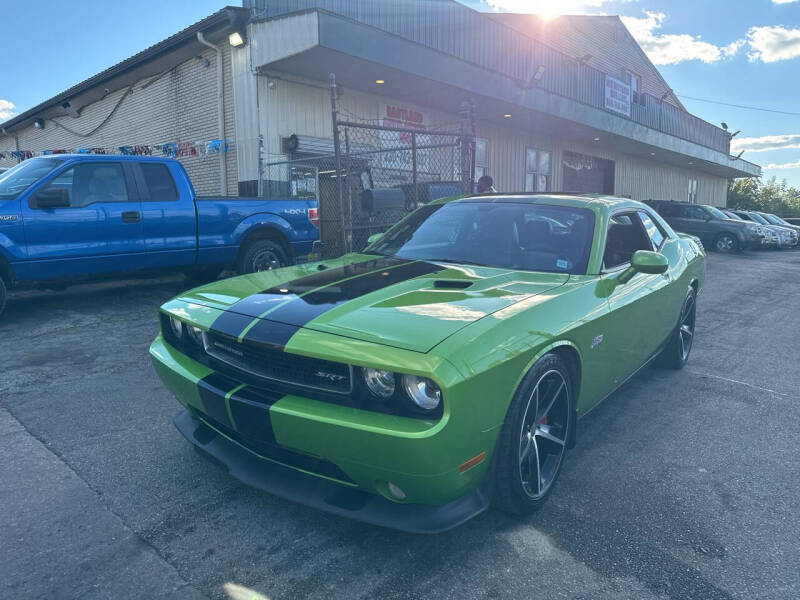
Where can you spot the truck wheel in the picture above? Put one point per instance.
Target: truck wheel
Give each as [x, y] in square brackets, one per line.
[261, 255]
[3, 294]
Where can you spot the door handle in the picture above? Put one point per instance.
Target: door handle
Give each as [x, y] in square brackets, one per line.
[131, 216]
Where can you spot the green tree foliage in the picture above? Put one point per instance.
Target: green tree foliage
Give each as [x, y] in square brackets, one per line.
[771, 196]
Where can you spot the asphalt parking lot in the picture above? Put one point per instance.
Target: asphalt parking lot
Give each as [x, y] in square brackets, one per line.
[683, 484]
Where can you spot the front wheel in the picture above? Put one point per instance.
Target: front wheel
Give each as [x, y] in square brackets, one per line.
[261, 255]
[726, 243]
[676, 353]
[534, 438]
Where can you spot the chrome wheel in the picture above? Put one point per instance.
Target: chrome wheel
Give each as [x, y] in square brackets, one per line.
[686, 327]
[726, 243]
[543, 434]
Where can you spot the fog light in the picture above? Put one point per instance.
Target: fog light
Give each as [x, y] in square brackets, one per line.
[396, 491]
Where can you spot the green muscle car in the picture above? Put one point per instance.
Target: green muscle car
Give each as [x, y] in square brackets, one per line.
[442, 369]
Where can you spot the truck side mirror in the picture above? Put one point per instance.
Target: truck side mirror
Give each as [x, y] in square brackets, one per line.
[52, 197]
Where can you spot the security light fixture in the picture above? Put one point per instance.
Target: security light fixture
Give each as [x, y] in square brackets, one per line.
[506, 116]
[39, 123]
[652, 154]
[596, 139]
[380, 81]
[735, 133]
[724, 125]
[738, 156]
[236, 39]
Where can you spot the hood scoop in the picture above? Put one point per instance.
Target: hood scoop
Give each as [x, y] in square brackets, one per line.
[452, 284]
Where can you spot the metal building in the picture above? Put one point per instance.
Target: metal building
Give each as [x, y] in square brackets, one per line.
[570, 104]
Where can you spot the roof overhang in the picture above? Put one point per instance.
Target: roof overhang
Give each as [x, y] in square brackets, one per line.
[150, 62]
[315, 43]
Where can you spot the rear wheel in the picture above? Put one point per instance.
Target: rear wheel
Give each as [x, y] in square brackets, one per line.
[534, 439]
[261, 255]
[676, 353]
[726, 243]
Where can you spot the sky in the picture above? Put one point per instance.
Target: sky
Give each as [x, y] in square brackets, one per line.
[743, 52]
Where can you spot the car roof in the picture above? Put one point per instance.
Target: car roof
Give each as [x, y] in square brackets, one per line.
[597, 202]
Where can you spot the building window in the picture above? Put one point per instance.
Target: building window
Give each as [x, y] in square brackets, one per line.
[692, 197]
[537, 170]
[481, 161]
[635, 81]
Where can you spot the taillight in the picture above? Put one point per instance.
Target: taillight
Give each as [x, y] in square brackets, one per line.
[313, 216]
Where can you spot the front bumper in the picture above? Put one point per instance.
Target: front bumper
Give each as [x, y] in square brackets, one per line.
[323, 494]
[355, 451]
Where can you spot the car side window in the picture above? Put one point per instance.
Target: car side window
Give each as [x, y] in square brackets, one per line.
[89, 183]
[626, 234]
[671, 210]
[695, 212]
[653, 229]
[159, 182]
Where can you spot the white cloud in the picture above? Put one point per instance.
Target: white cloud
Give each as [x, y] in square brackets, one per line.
[766, 142]
[6, 109]
[771, 44]
[671, 49]
[783, 1]
[791, 165]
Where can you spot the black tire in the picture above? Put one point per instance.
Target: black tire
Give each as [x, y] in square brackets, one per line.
[676, 353]
[726, 243]
[514, 491]
[261, 255]
[3, 296]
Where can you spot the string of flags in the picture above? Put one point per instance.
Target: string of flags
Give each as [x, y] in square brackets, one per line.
[170, 149]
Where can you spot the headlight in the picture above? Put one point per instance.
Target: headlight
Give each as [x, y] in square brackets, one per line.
[381, 383]
[195, 334]
[176, 326]
[422, 391]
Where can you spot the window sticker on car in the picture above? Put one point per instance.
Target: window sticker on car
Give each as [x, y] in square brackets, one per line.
[562, 264]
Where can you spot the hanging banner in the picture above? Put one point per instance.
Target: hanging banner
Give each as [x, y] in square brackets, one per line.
[618, 96]
[171, 149]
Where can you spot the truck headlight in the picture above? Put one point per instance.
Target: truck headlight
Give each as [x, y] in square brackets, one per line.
[381, 383]
[422, 391]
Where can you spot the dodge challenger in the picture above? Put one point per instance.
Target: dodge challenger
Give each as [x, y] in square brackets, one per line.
[442, 369]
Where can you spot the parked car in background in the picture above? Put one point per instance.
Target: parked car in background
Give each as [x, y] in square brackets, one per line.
[70, 217]
[442, 368]
[776, 220]
[787, 237]
[710, 224]
[770, 239]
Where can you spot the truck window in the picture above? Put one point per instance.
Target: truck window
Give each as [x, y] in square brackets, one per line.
[89, 183]
[159, 182]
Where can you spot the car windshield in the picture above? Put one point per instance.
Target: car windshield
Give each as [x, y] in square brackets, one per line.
[716, 213]
[773, 219]
[15, 181]
[733, 216]
[503, 234]
[758, 218]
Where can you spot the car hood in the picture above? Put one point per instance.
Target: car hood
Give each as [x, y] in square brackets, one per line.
[401, 303]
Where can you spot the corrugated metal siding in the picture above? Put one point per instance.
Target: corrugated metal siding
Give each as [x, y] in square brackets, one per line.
[450, 27]
[179, 106]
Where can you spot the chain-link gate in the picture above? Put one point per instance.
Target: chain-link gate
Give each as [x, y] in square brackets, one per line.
[369, 176]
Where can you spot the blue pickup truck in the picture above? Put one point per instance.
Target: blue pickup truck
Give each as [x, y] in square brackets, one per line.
[64, 218]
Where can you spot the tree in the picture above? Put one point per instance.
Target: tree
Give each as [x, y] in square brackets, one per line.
[770, 196]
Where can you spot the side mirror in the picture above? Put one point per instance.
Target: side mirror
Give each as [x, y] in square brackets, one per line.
[52, 197]
[645, 261]
[374, 238]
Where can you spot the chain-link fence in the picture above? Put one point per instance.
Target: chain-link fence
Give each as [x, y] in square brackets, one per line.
[369, 176]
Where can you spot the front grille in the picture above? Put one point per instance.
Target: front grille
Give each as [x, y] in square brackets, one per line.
[271, 365]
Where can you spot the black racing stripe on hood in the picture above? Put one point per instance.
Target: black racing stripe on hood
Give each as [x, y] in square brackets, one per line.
[271, 333]
[231, 324]
[303, 309]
